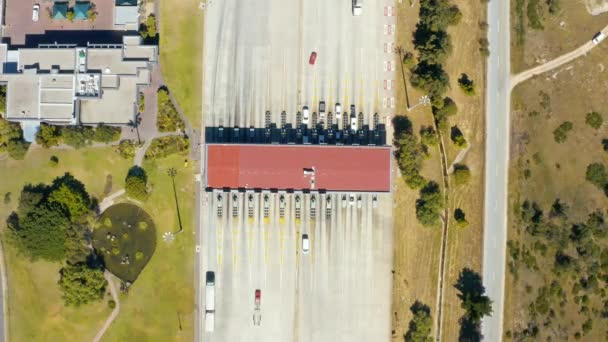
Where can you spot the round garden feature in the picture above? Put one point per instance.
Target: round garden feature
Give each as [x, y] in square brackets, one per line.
[125, 237]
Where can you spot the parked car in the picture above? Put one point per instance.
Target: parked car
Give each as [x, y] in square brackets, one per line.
[313, 58]
[35, 12]
[305, 244]
[305, 115]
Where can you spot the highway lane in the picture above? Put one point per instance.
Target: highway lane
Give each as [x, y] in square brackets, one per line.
[338, 291]
[497, 165]
[257, 59]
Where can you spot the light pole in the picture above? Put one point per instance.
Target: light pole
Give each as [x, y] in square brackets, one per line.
[172, 172]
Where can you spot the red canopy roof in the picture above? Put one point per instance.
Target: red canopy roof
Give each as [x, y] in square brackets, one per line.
[336, 168]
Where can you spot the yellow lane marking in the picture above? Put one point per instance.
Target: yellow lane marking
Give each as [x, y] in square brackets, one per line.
[315, 98]
[281, 242]
[361, 95]
[266, 246]
[235, 234]
[331, 94]
[346, 91]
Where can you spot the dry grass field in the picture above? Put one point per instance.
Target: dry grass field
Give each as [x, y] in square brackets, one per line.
[417, 248]
[542, 171]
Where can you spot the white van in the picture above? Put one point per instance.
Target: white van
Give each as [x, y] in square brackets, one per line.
[357, 7]
[305, 244]
[338, 111]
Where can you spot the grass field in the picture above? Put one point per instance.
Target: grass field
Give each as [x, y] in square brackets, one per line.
[181, 46]
[165, 287]
[564, 32]
[416, 245]
[36, 311]
[543, 170]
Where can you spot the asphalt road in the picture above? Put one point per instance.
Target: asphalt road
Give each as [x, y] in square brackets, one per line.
[497, 165]
[257, 59]
[339, 291]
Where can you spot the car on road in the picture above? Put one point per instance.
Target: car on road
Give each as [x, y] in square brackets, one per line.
[305, 244]
[305, 115]
[598, 38]
[338, 111]
[257, 314]
[357, 7]
[35, 12]
[313, 58]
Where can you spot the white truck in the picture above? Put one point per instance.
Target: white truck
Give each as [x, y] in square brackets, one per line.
[210, 301]
[357, 7]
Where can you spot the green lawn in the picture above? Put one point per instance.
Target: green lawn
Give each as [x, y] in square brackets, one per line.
[181, 45]
[36, 311]
[164, 288]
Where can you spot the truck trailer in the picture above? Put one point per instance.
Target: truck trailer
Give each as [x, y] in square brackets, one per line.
[210, 301]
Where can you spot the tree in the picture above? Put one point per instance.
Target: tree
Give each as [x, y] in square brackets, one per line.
[421, 324]
[53, 161]
[48, 135]
[17, 148]
[70, 14]
[71, 195]
[3, 99]
[126, 149]
[475, 303]
[457, 137]
[77, 136]
[141, 103]
[81, 284]
[484, 46]
[148, 29]
[432, 79]
[462, 174]
[466, 84]
[409, 61]
[136, 183]
[106, 134]
[409, 152]
[41, 233]
[428, 136]
[429, 205]
[596, 175]
[594, 120]
[554, 6]
[560, 134]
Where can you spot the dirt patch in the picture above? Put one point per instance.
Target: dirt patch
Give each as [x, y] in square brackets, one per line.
[595, 7]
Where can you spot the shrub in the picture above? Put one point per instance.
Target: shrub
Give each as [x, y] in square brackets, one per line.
[457, 137]
[139, 255]
[106, 134]
[77, 136]
[115, 251]
[126, 148]
[143, 225]
[107, 222]
[594, 120]
[141, 103]
[596, 175]
[484, 46]
[409, 153]
[53, 161]
[168, 119]
[148, 29]
[466, 84]
[560, 134]
[429, 205]
[70, 15]
[535, 17]
[7, 198]
[462, 174]
[165, 146]
[442, 111]
[48, 135]
[136, 183]
[429, 136]
[111, 304]
[409, 61]
[460, 218]
[17, 148]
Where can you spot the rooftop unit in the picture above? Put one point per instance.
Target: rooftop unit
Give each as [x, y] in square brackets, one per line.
[88, 85]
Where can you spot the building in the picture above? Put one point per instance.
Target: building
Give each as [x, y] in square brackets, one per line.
[126, 15]
[68, 85]
[324, 168]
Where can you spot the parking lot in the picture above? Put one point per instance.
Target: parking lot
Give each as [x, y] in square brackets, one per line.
[19, 23]
[338, 291]
[257, 59]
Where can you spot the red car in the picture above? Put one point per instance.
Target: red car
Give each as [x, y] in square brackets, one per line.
[313, 58]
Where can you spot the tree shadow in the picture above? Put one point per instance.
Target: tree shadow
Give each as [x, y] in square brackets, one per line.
[470, 286]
